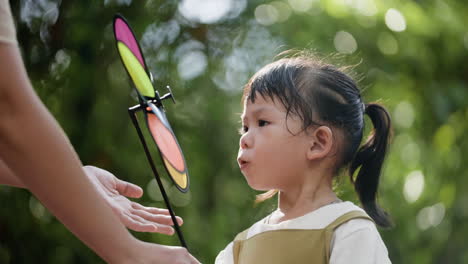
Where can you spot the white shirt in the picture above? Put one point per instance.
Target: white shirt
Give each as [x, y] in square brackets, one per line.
[356, 241]
[7, 27]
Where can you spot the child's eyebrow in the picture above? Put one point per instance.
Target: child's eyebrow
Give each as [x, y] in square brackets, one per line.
[260, 110]
[255, 112]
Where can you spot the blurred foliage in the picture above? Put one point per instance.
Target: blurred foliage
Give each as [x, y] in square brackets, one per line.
[411, 55]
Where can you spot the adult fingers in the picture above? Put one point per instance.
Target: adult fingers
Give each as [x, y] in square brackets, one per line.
[135, 223]
[157, 218]
[141, 225]
[152, 210]
[144, 224]
[129, 189]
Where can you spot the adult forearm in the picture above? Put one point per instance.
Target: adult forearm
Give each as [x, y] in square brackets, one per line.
[38, 153]
[8, 178]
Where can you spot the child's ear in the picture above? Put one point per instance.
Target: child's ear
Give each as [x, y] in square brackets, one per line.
[321, 142]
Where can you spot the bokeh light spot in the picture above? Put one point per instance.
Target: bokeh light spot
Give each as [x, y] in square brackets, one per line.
[38, 210]
[284, 10]
[410, 154]
[395, 20]
[431, 216]
[444, 138]
[266, 14]
[414, 186]
[404, 114]
[60, 64]
[210, 11]
[39, 15]
[192, 65]
[387, 44]
[345, 42]
[365, 7]
[301, 5]
[153, 191]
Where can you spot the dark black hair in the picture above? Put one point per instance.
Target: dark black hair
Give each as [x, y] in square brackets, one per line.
[320, 93]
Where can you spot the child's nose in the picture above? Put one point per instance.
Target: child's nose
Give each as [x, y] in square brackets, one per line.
[245, 141]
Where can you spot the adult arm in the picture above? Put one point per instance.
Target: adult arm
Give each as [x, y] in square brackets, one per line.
[7, 177]
[35, 149]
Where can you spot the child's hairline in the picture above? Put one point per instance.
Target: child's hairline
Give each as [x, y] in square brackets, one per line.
[289, 112]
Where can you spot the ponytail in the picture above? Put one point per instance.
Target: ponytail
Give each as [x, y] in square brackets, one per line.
[369, 160]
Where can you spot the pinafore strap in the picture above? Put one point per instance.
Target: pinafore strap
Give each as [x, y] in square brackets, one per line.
[339, 221]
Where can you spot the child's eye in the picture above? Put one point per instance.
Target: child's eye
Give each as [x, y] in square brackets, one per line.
[243, 130]
[262, 123]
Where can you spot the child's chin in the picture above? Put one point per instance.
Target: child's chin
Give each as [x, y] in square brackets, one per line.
[257, 186]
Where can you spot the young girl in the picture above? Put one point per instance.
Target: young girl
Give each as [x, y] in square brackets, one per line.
[303, 121]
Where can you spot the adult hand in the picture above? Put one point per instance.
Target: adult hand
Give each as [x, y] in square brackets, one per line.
[145, 253]
[172, 255]
[133, 215]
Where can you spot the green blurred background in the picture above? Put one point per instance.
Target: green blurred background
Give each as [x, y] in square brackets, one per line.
[410, 55]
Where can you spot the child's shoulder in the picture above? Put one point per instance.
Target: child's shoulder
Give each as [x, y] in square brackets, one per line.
[318, 219]
[364, 228]
[358, 241]
[330, 214]
[362, 222]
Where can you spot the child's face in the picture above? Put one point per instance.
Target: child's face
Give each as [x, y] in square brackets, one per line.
[270, 156]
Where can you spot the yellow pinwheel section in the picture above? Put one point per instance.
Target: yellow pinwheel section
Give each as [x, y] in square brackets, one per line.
[137, 72]
[179, 178]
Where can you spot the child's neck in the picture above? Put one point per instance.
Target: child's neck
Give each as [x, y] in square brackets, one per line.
[307, 198]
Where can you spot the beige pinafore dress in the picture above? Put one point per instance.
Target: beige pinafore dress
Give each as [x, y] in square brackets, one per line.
[290, 246]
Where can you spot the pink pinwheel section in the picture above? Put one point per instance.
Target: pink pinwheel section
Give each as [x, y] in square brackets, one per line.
[124, 34]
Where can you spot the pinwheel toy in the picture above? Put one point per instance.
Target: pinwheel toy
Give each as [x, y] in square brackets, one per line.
[150, 103]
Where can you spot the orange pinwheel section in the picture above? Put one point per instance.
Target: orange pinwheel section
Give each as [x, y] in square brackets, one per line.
[166, 142]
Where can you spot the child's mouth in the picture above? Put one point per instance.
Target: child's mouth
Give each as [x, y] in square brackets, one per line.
[242, 163]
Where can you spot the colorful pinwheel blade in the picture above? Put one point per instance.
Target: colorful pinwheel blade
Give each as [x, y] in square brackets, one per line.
[169, 147]
[137, 73]
[124, 34]
[131, 55]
